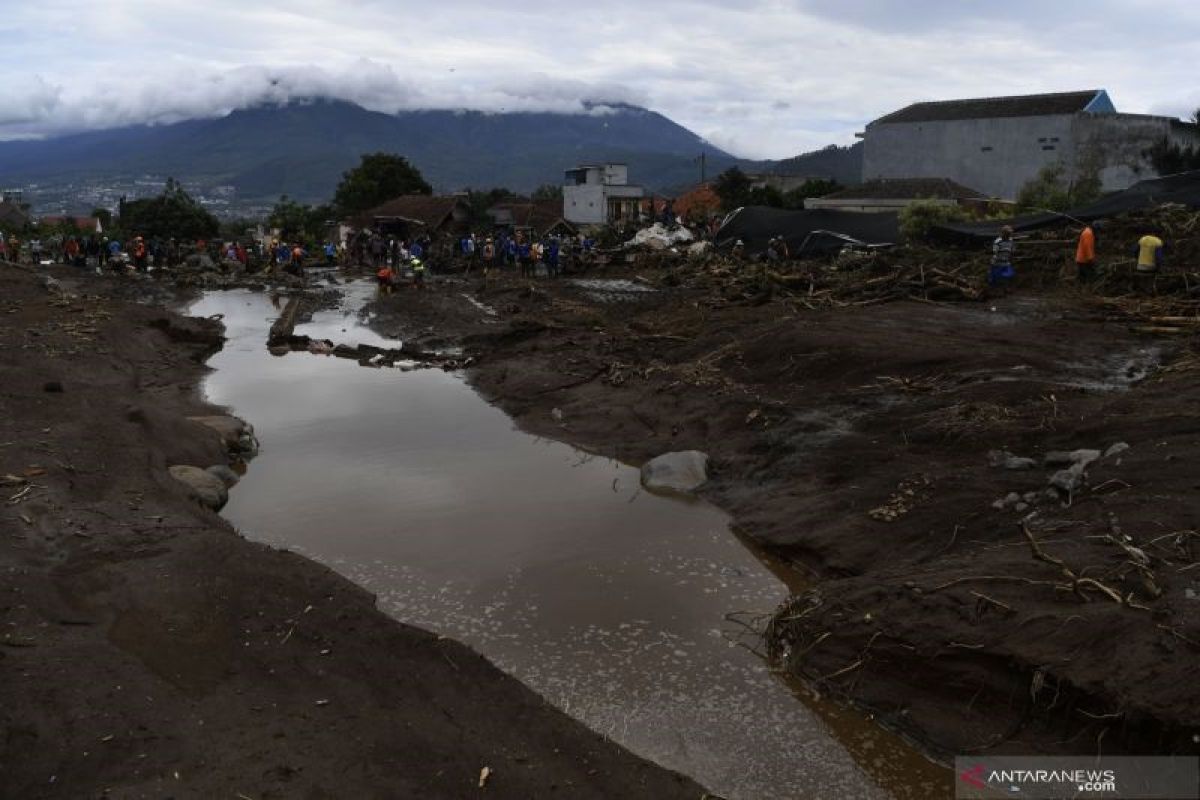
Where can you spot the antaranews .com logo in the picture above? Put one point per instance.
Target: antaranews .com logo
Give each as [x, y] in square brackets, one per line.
[1111, 778]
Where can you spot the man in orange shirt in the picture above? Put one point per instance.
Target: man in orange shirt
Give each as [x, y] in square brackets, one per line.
[1085, 255]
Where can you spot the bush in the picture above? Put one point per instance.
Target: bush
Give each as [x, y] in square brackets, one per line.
[918, 218]
[1051, 191]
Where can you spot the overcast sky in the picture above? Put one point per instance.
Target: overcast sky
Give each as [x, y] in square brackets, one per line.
[761, 79]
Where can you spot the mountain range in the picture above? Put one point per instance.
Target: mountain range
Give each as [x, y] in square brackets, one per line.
[301, 149]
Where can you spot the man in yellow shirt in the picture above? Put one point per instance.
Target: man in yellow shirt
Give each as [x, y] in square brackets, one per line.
[1149, 253]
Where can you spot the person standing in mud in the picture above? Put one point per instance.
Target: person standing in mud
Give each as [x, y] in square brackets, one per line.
[524, 257]
[1085, 255]
[1001, 272]
[1149, 251]
[140, 254]
[552, 254]
[489, 257]
[296, 265]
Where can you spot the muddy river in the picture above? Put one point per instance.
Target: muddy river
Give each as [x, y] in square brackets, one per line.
[625, 609]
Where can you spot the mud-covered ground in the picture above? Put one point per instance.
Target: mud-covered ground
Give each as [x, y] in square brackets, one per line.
[146, 650]
[895, 455]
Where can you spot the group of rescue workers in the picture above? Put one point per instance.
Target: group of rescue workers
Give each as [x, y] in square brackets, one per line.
[1149, 251]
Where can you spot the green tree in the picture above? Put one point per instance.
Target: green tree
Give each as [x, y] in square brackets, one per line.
[481, 200]
[547, 191]
[733, 187]
[377, 179]
[813, 187]
[1168, 158]
[917, 218]
[104, 215]
[297, 222]
[172, 213]
[237, 228]
[1052, 190]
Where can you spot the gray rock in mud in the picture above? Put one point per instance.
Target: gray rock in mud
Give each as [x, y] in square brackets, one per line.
[1068, 480]
[683, 471]
[204, 486]
[1006, 460]
[223, 473]
[1116, 449]
[1064, 458]
[200, 261]
[237, 434]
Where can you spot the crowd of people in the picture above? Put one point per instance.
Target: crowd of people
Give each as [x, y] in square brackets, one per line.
[397, 258]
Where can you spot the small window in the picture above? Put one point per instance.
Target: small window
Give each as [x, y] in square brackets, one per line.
[1054, 138]
[987, 148]
[1041, 139]
[1047, 147]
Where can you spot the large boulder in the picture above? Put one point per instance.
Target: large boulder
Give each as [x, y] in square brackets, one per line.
[203, 485]
[237, 434]
[683, 471]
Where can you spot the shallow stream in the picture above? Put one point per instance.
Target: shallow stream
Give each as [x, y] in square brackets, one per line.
[627, 610]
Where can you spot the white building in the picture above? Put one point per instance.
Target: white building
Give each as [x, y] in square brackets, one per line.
[600, 194]
[996, 144]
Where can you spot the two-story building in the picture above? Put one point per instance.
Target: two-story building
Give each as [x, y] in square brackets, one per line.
[600, 194]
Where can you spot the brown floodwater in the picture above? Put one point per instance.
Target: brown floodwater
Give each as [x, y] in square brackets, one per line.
[630, 611]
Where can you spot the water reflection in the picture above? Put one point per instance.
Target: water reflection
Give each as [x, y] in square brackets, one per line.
[609, 601]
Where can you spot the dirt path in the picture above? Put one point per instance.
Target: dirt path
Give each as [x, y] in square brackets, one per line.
[148, 651]
[868, 447]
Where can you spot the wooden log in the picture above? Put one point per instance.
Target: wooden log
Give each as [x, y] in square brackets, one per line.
[281, 329]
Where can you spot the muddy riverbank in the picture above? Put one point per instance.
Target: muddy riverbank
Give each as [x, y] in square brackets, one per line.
[631, 612]
[901, 459]
[148, 651]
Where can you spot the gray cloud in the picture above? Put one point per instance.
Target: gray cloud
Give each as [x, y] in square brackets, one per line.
[766, 77]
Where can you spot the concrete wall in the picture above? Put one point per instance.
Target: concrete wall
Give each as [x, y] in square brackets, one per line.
[584, 204]
[997, 156]
[993, 156]
[1119, 143]
[589, 204]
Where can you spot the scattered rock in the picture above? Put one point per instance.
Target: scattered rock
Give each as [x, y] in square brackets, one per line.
[1190, 594]
[52, 386]
[1119, 447]
[1068, 480]
[1018, 462]
[237, 434]
[204, 486]
[199, 261]
[682, 471]
[226, 475]
[1062, 458]
[1010, 499]
[557, 414]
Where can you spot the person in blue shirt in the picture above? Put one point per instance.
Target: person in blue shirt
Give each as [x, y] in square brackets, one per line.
[1001, 273]
[510, 251]
[330, 253]
[525, 256]
[552, 258]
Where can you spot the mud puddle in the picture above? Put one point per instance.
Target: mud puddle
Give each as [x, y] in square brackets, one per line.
[628, 610]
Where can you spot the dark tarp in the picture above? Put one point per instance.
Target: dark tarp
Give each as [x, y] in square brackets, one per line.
[1182, 188]
[807, 233]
